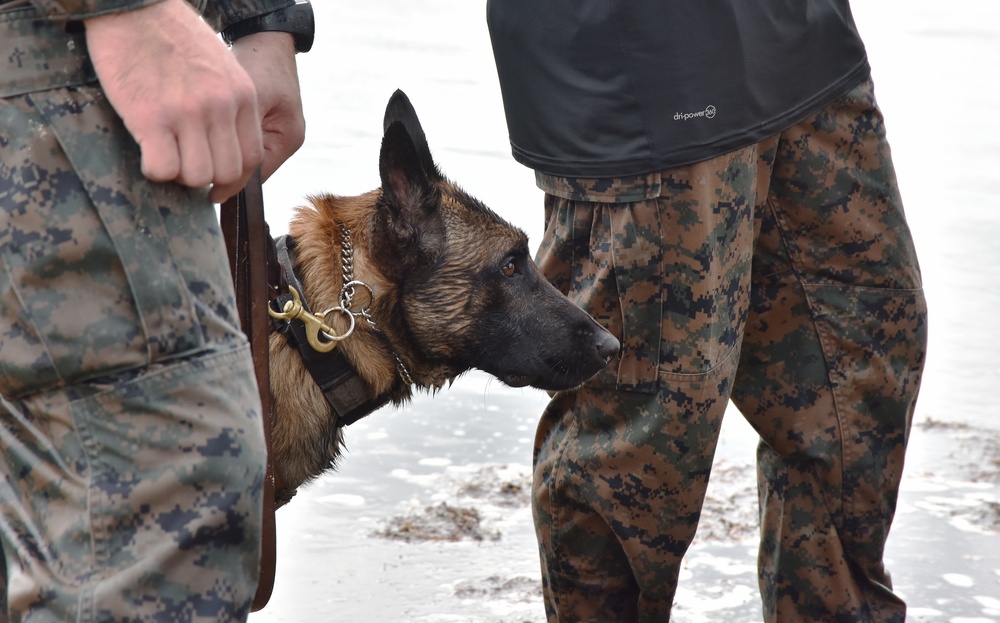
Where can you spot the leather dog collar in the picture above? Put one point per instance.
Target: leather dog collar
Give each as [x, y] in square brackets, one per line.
[345, 391]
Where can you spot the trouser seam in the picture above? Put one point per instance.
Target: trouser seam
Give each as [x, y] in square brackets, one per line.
[556, 522]
[85, 600]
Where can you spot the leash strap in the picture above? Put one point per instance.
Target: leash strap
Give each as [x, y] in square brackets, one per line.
[247, 241]
[345, 391]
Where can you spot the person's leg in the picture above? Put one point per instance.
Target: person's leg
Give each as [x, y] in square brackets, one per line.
[136, 498]
[621, 466]
[131, 443]
[830, 366]
[3, 585]
[618, 486]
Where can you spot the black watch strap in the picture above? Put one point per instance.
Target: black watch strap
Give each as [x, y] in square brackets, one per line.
[296, 19]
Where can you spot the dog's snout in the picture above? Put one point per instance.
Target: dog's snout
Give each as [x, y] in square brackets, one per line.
[607, 345]
[601, 340]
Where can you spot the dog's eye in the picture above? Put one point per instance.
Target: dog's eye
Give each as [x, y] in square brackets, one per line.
[509, 269]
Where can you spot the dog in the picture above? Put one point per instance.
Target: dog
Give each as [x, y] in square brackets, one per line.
[436, 284]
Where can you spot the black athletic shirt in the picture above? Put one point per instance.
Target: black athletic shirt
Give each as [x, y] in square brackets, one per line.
[607, 88]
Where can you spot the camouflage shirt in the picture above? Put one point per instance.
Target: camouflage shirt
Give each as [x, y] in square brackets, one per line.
[42, 44]
[218, 13]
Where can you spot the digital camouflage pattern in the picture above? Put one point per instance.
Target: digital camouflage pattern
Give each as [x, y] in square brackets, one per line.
[135, 498]
[782, 276]
[131, 446]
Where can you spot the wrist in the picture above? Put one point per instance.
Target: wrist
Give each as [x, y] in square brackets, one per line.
[276, 41]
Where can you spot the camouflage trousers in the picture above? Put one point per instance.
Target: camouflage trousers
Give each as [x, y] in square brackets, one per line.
[781, 276]
[131, 446]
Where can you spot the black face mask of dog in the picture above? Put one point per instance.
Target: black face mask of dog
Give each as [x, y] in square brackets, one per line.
[471, 295]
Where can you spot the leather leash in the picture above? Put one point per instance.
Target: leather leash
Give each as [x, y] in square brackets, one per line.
[262, 271]
[247, 241]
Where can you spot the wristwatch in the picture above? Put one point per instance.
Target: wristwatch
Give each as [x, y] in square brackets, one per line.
[296, 19]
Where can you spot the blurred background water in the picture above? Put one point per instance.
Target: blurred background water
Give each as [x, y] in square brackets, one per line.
[936, 67]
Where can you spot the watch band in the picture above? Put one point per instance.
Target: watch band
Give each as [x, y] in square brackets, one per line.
[296, 19]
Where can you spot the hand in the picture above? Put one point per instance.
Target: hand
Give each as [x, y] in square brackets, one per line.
[269, 59]
[182, 95]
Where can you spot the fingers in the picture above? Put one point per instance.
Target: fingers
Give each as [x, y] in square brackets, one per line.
[188, 103]
[247, 134]
[217, 143]
[236, 148]
[235, 145]
[281, 140]
[161, 160]
[197, 164]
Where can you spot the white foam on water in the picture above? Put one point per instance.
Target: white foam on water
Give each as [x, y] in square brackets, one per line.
[958, 579]
[342, 499]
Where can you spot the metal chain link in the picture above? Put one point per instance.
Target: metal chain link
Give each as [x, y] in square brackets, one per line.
[348, 290]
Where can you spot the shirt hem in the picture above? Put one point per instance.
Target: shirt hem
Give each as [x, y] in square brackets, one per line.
[692, 154]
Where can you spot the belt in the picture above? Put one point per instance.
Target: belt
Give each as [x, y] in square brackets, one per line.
[37, 54]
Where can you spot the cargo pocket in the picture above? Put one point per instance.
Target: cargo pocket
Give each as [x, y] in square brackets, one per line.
[605, 258]
[87, 282]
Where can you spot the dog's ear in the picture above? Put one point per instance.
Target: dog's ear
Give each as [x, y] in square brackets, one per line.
[410, 197]
[399, 109]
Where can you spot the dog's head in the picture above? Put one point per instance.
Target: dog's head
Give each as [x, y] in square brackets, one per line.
[469, 294]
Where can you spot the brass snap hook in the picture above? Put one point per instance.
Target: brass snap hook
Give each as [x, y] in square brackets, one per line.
[314, 325]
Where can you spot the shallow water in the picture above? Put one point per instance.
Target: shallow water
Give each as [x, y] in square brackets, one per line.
[342, 555]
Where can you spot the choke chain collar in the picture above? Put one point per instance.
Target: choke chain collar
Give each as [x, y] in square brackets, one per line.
[316, 325]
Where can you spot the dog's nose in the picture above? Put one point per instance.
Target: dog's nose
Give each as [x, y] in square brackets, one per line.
[607, 345]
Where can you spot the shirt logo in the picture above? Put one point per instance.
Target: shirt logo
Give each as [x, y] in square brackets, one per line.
[708, 113]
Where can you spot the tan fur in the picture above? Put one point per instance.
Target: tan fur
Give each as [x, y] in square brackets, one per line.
[302, 413]
[454, 289]
[303, 417]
